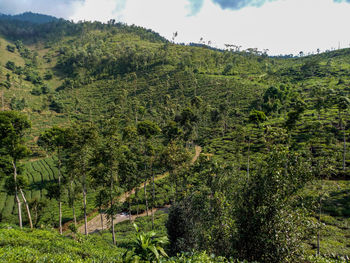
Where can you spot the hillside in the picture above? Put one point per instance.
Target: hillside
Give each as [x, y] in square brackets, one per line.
[237, 106]
[29, 17]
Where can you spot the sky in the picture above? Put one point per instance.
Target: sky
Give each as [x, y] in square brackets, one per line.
[279, 26]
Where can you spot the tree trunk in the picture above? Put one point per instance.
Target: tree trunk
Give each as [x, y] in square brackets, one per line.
[101, 215]
[113, 231]
[112, 212]
[36, 217]
[248, 164]
[176, 187]
[344, 148]
[172, 175]
[145, 192]
[342, 127]
[84, 200]
[59, 195]
[60, 215]
[2, 101]
[153, 197]
[19, 209]
[16, 194]
[319, 229]
[130, 219]
[71, 198]
[137, 201]
[27, 208]
[74, 216]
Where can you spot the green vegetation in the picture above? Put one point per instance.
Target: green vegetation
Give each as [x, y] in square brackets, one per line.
[116, 112]
[46, 246]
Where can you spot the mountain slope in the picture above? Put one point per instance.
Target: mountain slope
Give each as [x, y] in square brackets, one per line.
[29, 17]
[60, 72]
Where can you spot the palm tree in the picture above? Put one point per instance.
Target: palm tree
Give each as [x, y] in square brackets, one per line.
[147, 247]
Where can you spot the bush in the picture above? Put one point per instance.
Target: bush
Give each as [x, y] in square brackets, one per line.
[18, 104]
[48, 75]
[45, 90]
[73, 228]
[10, 65]
[56, 106]
[6, 84]
[48, 246]
[11, 48]
[18, 70]
[33, 77]
[36, 91]
[227, 69]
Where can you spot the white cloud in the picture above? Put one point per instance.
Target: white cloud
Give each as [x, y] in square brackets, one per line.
[163, 16]
[283, 26]
[100, 10]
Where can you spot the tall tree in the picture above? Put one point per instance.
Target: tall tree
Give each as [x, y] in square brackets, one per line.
[187, 120]
[128, 173]
[147, 129]
[54, 140]
[81, 138]
[128, 163]
[343, 103]
[173, 157]
[12, 131]
[106, 167]
[269, 227]
[200, 219]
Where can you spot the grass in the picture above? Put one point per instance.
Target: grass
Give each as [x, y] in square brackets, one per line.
[5, 55]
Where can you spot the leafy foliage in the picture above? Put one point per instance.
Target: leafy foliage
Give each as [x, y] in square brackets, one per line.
[147, 247]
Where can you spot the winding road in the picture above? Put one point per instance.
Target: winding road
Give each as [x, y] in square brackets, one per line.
[94, 225]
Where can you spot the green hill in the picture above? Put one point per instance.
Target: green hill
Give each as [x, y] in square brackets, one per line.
[29, 17]
[59, 73]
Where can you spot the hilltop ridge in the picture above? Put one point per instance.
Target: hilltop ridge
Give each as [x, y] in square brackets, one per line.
[29, 17]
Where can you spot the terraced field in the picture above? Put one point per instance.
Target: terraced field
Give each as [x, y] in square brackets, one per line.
[38, 173]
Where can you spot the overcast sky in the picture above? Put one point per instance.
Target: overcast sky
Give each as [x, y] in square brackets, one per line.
[282, 26]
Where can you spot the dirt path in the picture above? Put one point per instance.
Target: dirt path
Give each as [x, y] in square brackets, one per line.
[94, 225]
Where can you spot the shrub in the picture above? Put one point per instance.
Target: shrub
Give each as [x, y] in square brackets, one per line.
[56, 106]
[36, 91]
[227, 69]
[18, 70]
[10, 65]
[18, 104]
[73, 228]
[48, 75]
[6, 84]
[33, 77]
[45, 90]
[10, 48]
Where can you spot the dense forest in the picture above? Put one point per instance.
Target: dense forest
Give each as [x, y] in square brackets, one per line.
[118, 145]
